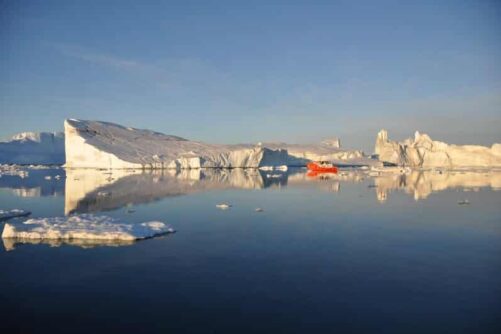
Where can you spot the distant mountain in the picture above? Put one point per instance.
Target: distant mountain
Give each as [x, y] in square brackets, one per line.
[33, 148]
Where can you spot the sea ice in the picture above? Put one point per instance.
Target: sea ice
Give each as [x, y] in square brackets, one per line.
[85, 226]
[223, 206]
[8, 214]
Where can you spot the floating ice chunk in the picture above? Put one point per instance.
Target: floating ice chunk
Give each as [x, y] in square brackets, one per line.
[103, 194]
[274, 176]
[85, 226]
[8, 214]
[48, 177]
[223, 206]
[283, 168]
[13, 170]
[463, 202]
[259, 210]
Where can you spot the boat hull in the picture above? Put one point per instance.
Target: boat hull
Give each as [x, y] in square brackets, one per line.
[319, 169]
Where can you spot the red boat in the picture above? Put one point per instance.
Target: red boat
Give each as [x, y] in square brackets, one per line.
[322, 167]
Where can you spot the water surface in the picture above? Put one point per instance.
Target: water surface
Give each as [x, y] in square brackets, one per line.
[349, 253]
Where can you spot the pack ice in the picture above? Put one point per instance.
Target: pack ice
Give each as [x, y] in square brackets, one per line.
[422, 151]
[93, 144]
[33, 148]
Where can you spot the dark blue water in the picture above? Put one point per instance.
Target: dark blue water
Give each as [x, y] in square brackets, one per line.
[326, 256]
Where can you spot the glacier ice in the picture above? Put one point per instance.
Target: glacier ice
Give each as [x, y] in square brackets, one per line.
[422, 151]
[33, 148]
[93, 144]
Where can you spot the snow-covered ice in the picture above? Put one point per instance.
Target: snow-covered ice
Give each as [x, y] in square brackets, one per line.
[85, 226]
[93, 144]
[223, 206]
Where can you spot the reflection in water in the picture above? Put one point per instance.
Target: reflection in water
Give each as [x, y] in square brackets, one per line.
[11, 243]
[421, 184]
[93, 190]
[89, 190]
[35, 183]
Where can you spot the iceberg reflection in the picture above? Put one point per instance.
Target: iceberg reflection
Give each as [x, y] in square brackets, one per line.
[89, 190]
[420, 184]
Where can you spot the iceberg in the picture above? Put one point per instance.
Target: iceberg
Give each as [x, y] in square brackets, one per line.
[423, 152]
[33, 148]
[94, 144]
[85, 226]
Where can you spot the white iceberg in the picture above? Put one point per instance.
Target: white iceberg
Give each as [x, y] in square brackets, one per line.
[85, 226]
[93, 144]
[424, 152]
[33, 148]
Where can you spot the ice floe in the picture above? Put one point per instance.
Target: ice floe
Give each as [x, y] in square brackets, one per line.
[85, 226]
[8, 214]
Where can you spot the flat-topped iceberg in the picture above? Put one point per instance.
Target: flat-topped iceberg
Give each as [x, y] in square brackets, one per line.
[422, 151]
[85, 226]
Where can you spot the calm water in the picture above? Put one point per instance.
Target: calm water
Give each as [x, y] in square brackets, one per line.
[349, 253]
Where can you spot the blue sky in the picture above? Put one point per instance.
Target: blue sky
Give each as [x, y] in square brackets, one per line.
[248, 71]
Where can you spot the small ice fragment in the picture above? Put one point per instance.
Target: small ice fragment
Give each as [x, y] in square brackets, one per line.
[464, 202]
[259, 210]
[103, 194]
[8, 214]
[223, 206]
[48, 177]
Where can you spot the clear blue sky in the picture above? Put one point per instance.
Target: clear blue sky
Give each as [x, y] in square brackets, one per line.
[248, 71]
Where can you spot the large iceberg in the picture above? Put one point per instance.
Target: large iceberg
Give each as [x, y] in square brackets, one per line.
[93, 144]
[33, 148]
[424, 152]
